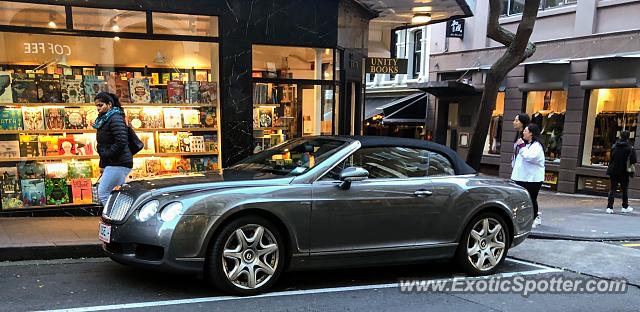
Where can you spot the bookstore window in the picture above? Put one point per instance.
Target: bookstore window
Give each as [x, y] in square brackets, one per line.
[494, 137]
[292, 62]
[547, 110]
[185, 25]
[610, 111]
[169, 91]
[109, 20]
[32, 15]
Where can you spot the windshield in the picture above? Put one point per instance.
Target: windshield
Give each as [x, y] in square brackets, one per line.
[291, 158]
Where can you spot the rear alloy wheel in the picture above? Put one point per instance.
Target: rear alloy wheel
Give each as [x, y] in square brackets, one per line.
[247, 256]
[484, 245]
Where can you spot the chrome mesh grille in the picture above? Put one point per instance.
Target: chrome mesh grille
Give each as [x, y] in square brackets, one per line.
[117, 206]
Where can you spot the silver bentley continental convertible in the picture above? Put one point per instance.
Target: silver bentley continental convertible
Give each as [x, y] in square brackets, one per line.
[318, 202]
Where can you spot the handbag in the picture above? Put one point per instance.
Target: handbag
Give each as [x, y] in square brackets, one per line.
[135, 144]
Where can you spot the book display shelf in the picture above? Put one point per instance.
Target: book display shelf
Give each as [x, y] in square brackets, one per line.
[48, 149]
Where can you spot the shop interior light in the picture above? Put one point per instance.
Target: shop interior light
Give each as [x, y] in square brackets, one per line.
[115, 27]
[116, 38]
[421, 18]
[422, 9]
[52, 24]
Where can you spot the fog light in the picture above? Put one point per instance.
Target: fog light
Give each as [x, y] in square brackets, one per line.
[148, 210]
[171, 211]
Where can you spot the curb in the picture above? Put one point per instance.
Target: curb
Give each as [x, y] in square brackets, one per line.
[582, 238]
[51, 252]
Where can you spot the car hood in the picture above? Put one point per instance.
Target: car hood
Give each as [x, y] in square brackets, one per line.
[193, 182]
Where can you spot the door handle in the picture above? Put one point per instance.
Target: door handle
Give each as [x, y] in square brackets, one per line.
[422, 193]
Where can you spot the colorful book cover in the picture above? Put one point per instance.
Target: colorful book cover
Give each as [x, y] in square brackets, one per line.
[95, 168]
[6, 95]
[201, 75]
[11, 192]
[139, 169]
[85, 144]
[74, 118]
[197, 144]
[122, 90]
[183, 165]
[208, 117]
[175, 91]
[92, 86]
[33, 193]
[29, 145]
[10, 118]
[168, 165]
[210, 163]
[184, 141]
[56, 170]
[265, 117]
[149, 143]
[168, 143]
[33, 118]
[208, 92]
[140, 92]
[80, 169]
[81, 191]
[152, 118]
[66, 146]
[256, 118]
[10, 149]
[90, 116]
[210, 143]
[172, 117]
[54, 118]
[49, 145]
[192, 89]
[155, 79]
[134, 117]
[153, 166]
[191, 118]
[158, 95]
[49, 89]
[56, 191]
[31, 170]
[72, 91]
[197, 164]
[166, 77]
[24, 88]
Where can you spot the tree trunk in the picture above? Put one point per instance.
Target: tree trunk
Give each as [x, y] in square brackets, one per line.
[518, 49]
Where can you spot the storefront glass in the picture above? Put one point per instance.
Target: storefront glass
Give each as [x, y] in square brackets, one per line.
[494, 136]
[610, 111]
[48, 156]
[32, 15]
[547, 110]
[186, 25]
[109, 20]
[292, 62]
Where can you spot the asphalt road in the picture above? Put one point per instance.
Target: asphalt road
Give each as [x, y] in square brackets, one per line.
[100, 284]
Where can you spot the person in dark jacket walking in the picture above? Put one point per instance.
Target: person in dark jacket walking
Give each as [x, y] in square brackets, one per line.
[622, 154]
[112, 136]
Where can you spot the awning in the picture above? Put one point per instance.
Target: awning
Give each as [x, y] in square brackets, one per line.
[408, 109]
[371, 104]
[446, 88]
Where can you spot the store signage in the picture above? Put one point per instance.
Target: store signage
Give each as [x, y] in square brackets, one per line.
[455, 28]
[550, 178]
[381, 65]
[46, 48]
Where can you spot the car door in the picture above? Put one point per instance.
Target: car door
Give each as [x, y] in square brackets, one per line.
[389, 209]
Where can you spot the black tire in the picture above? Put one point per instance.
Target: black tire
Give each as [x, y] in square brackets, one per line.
[462, 256]
[217, 265]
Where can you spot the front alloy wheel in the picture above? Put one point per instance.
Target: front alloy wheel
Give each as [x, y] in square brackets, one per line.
[484, 245]
[246, 257]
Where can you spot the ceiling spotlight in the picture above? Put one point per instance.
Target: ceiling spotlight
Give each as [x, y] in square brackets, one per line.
[421, 18]
[115, 27]
[422, 9]
[116, 38]
[52, 24]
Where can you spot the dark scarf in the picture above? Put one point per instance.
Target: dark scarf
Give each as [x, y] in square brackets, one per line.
[102, 118]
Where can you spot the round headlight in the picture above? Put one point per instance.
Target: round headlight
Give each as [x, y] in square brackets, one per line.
[171, 211]
[148, 210]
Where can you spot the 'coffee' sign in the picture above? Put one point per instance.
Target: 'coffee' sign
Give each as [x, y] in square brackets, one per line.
[381, 65]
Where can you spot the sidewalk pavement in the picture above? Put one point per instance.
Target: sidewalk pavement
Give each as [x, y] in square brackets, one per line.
[564, 216]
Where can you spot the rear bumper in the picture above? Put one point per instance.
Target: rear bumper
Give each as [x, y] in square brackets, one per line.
[517, 239]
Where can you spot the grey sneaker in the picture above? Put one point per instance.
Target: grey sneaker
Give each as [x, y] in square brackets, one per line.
[610, 211]
[626, 210]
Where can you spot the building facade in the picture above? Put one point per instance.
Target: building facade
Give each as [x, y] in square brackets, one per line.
[582, 86]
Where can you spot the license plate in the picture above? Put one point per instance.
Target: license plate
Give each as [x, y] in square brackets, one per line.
[105, 233]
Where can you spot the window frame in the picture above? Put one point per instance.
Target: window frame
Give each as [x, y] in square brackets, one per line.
[417, 52]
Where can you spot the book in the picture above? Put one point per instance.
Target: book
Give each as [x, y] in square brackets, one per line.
[140, 92]
[172, 117]
[208, 93]
[152, 166]
[265, 117]
[33, 193]
[92, 86]
[184, 142]
[11, 118]
[183, 165]
[48, 88]
[81, 191]
[208, 117]
[210, 143]
[210, 163]
[152, 117]
[256, 118]
[56, 170]
[56, 191]
[165, 78]
[6, 95]
[201, 75]
[168, 143]
[139, 170]
[48, 145]
[158, 95]
[23, 87]
[74, 118]
[11, 191]
[147, 139]
[29, 145]
[168, 165]
[86, 144]
[95, 168]
[72, 91]
[192, 89]
[66, 146]
[175, 91]
[190, 118]
[54, 118]
[31, 170]
[10, 149]
[33, 118]
[122, 90]
[155, 79]
[197, 144]
[134, 117]
[197, 164]
[80, 169]
[90, 116]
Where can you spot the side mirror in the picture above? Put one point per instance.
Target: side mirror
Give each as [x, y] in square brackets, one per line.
[352, 174]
